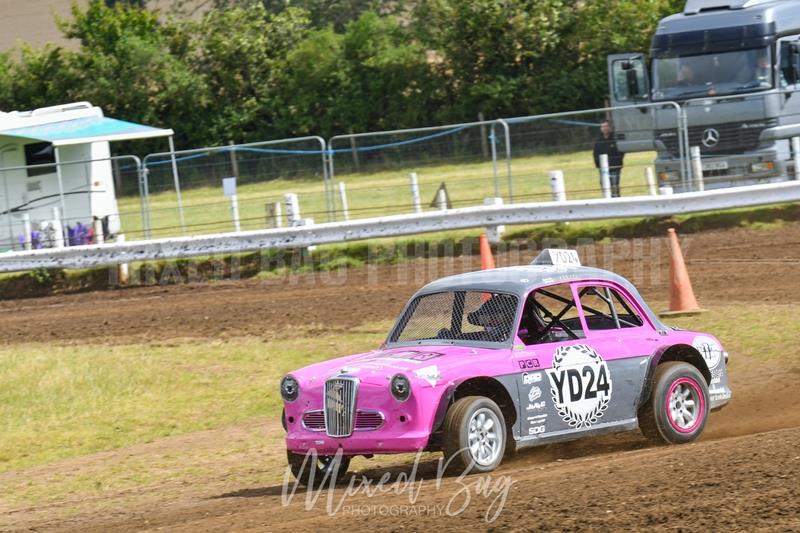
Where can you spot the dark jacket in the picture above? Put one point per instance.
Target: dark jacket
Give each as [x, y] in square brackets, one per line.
[608, 147]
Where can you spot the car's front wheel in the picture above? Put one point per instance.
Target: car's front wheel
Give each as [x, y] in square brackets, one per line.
[677, 409]
[314, 470]
[474, 435]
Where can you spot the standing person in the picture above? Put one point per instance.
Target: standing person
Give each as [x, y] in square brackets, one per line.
[606, 144]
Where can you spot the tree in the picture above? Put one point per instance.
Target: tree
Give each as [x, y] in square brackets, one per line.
[6, 73]
[134, 67]
[239, 52]
[40, 78]
[516, 57]
[489, 50]
[372, 76]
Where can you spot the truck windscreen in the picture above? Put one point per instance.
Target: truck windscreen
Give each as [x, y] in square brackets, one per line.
[716, 74]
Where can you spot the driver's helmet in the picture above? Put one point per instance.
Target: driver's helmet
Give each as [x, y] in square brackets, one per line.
[496, 312]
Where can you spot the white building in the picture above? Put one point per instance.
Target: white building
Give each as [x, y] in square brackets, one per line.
[59, 157]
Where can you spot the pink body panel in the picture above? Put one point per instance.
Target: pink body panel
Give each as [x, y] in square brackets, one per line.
[433, 370]
[436, 370]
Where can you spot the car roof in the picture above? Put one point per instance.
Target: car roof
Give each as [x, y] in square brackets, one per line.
[520, 280]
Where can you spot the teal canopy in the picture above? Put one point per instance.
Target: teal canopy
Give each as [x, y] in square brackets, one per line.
[85, 130]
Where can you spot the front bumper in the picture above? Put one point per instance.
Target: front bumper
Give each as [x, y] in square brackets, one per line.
[406, 426]
[363, 443]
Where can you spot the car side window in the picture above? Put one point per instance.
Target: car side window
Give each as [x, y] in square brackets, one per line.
[605, 308]
[550, 314]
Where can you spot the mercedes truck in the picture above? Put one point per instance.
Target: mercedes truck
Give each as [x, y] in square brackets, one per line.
[721, 77]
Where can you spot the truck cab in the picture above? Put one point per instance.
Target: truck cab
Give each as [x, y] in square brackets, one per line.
[722, 76]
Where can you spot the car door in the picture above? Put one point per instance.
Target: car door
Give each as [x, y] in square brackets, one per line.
[550, 333]
[615, 332]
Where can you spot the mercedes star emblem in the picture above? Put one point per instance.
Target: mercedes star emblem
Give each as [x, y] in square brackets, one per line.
[710, 138]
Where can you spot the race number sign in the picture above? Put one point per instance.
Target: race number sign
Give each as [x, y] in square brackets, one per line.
[580, 384]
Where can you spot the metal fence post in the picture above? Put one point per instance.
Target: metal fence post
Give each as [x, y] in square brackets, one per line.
[507, 132]
[415, 200]
[292, 209]
[234, 162]
[650, 179]
[99, 236]
[274, 214]
[146, 225]
[796, 156]
[605, 177]
[557, 186]
[441, 200]
[329, 194]
[177, 182]
[326, 177]
[60, 176]
[124, 273]
[58, 228]
[26, 224]
[7, 200]
[697, 168]
[494, 233]
[493, 139]
[343, 199]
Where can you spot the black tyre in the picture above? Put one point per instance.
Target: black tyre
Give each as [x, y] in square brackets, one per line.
[315, 470]
[475, 435]
[677, 409]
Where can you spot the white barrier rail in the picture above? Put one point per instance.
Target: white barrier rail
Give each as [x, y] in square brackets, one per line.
[399, 225]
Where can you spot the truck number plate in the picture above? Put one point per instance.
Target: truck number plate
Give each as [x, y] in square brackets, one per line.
[715, 165]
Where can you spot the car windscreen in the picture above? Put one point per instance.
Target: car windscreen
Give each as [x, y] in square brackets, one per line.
[465, 316]
[716, 74]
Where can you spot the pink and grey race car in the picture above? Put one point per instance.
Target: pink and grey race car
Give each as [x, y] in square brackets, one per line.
[496, 360]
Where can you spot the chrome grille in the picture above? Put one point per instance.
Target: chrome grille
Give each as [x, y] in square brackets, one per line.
[734, 137]
[368, 420]
[365, 420]
[314, 420]
[340, 403]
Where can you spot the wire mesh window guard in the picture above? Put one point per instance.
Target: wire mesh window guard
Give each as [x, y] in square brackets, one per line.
[458, 316]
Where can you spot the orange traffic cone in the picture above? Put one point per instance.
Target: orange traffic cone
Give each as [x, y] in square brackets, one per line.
[681, 295]
[487, 260]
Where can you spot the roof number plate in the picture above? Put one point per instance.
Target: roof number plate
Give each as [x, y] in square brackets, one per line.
[556, 256]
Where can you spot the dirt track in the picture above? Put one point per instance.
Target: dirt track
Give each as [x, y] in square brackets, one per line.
[743, 474]
[726, 266]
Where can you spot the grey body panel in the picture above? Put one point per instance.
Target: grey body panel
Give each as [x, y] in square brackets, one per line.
[539, 421]
[785, 14]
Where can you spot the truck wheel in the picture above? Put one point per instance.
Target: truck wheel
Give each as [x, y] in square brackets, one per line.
[474, 435]
[323, 468]
[677, 409]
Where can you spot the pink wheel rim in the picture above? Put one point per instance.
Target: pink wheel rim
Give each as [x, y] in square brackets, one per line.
[685, 405]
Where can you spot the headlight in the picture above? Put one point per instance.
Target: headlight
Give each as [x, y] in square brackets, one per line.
[401, 387]
[290, 389]
[757, 168]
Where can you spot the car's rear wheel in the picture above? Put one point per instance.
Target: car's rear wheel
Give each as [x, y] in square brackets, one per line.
[677, 409]
[474, 435]
[315, 470]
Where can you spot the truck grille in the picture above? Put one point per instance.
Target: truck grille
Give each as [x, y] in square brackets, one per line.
[340, 403]
[365, 420]
[734, 137]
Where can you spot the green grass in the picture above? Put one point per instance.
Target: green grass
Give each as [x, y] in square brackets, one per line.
[380, 193]
[65, 401]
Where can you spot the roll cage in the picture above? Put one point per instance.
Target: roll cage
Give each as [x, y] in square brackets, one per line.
[550, 322]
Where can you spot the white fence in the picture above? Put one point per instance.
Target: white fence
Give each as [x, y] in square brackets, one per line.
[393, 226]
